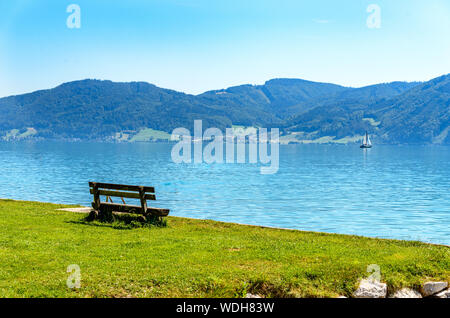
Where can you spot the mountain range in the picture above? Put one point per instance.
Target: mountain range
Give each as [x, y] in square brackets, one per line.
[305, 111]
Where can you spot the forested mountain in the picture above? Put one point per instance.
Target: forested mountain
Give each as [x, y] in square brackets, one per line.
[92, 109]
[275, 96]
[419, 114]
[102, 110]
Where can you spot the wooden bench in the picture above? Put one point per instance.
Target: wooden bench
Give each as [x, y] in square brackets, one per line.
[124, 191]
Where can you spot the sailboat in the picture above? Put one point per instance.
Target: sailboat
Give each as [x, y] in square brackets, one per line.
[366, 143]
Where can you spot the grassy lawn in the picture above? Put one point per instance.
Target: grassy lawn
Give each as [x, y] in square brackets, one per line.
[194, 258]
[150, 134]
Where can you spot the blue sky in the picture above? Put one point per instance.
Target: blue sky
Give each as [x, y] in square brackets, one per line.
[198, 45]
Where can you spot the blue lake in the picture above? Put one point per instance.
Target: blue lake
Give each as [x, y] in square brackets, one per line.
[400, 192]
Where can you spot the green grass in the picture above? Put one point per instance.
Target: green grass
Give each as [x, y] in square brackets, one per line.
[194, 258]
[150, 135]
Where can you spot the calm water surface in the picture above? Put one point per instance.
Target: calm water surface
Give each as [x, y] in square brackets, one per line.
[397, 192]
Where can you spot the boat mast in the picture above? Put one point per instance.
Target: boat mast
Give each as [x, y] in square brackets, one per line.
[366, 143]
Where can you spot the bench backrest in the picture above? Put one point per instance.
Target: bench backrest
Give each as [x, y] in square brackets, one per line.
[122, 191]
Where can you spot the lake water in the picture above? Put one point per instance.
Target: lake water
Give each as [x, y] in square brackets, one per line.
[399, 192]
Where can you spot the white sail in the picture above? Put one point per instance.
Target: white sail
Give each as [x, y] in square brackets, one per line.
[366, 143]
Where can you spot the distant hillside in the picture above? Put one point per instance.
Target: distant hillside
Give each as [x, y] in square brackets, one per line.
[418, 114]
[275, 96]
[104, 110]
[92, 109]
[354, 98]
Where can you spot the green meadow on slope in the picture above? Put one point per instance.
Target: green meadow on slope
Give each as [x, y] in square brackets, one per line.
[194, 258]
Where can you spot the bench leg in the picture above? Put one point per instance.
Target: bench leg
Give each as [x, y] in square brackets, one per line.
[105, 214]
[93, 215]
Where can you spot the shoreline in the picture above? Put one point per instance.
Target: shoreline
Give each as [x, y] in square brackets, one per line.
[303, 142]
[74, 207]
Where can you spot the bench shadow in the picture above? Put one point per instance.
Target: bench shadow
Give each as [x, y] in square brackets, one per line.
[124, 222]
[115, 226]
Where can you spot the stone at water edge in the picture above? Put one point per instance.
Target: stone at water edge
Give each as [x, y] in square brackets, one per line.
[431, 288]
[443, 294]
[252, 296]
[370, 289]
[406, 293]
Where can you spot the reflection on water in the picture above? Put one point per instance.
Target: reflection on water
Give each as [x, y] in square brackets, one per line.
[388, 191]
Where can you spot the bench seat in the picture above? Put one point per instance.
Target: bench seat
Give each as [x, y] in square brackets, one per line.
[133, 209]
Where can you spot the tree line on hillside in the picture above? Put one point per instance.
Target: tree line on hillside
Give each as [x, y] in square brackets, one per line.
[96, 110]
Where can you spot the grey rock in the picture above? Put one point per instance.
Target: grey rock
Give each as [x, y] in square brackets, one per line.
[406, 293]
[431, 288]
[370, 289]
[443, 294]
[77, 210]
[252, 296]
